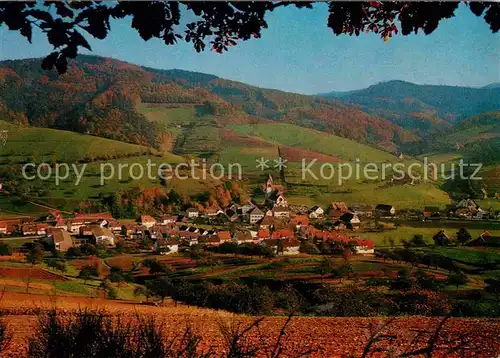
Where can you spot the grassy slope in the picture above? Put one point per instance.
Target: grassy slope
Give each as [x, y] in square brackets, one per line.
[48, 145]
[324, 191]
[41, 144]
[291, 135]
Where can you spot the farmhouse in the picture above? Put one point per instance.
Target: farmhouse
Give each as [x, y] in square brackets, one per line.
[29, 229]
[485, 239]
[363, 210]
[209, 240]
[212, 212]
[299, 220]
[263, 235]
[283, 246]
[245, 209]
[441, 238]
[167, 219]
[168, 246]
[103, 236]
[192, 213]
[335, 214]
[341, 206]
[256, 215]
[283, 234]
[61, 239]
[114, 225]
[316, 212]
[243, 237]
[224, 236]
[147, 221]
[281, 212]
[355, 222]
[281, 201]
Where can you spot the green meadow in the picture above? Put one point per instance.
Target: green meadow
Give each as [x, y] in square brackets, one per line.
[37, 145]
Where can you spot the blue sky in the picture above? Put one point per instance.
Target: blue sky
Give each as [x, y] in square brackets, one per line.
[299, 53]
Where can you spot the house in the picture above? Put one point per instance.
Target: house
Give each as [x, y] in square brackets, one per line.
[79, 241]
[316, 212]
[485, 239]
[468, 204]
[29, 229]
[299, 220]
[335, 214]
[281, 201]
[190, 238]
[364, 247]
[147, 221]
[192, 213]
[385, 210]
[167, 219]
[86, 230]
[256, 215]
[441, 238]
[355, 222]
[267, 222]
[92, 217]
[263, 235]
[61, 239]
[3, 228]
[74, 225]
[245, 209]
[243, 237]
[103, 236]
[283, 246]
[114, 225]
[224, 236]
[213, 212]
[283, 234]
[281, 212]
[209, 240]
[363, 210]
[168, 245]
[81, 219]
[340, 205]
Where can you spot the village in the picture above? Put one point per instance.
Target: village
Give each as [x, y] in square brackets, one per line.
[271, 228]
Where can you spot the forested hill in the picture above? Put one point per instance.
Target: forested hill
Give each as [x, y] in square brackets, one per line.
[100, 96]
[425, 108]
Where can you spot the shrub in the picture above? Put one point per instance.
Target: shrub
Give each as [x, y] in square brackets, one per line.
[5, 249]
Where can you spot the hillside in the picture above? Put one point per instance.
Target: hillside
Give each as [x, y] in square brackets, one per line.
[28, 144]
[174, 115]
[422, 108]
[476, 138]
[326, 115]
[106, 97]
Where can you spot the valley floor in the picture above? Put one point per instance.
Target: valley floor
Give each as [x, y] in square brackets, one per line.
[336, 337]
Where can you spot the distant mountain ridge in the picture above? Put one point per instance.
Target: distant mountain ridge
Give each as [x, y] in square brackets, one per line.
[422, 108]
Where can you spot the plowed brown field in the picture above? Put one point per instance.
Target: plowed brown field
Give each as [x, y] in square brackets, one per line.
[33, 273]
[337, 337]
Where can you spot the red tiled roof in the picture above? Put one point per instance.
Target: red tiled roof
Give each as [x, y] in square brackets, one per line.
[283, 233]
[93, 216]
[224, 235]
[147, 218]
[263, 234]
